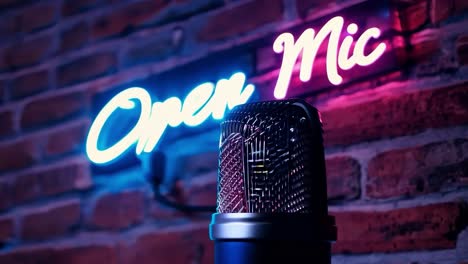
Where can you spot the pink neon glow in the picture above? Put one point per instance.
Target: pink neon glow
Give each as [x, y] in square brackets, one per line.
[338, 56]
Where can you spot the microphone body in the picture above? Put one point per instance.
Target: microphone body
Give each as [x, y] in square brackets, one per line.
[272, 197]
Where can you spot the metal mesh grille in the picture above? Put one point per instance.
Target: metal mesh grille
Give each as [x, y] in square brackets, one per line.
[232, 174]
[266, 155]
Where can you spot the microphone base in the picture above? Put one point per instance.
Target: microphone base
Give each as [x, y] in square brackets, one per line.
[267, 252]
[254, 238]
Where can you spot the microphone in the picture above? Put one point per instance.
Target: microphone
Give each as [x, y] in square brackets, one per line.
[272, 192]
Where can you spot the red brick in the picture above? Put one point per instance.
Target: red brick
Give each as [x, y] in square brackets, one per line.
[203, 194]
[29, 84]
[5, 4]
[29, 52]
[66, 140]
[18, 155]
[50, 221]
[462, 49]
[152, 51]
[36, 17]
[305, 6]
[3, 87]
[72, 7]
[441, 10]
[227, 24]
[161, 212]
[200, 164]
[52, 109]
[127, 18]
[74, 37]
[396, 115]
[426, 49]
[343, 178]
[118, 210]
[6, 229]
[43, 182]
[419, 228]
[418, 170]
[4, 65]
[186, 245]
[6, 119]
[6, 197]
[63, 178]
[89, 254]
[411, 15]
[460, 6]
[8, 26]
[24, 187]
[87, 68]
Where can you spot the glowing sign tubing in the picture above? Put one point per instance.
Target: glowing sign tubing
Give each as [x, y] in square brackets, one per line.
[337, 56]
[202, 102]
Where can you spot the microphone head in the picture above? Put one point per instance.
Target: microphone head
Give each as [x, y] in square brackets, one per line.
[271, 159]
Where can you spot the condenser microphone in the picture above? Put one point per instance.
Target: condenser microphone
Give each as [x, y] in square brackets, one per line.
[272, 193]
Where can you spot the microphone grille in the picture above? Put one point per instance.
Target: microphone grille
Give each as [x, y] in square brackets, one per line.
[271, 159]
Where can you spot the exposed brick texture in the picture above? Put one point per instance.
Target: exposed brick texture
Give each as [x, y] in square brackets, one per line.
[126, 18]
[411, 15]
[7, 227]
[395, 132]
[19, 154]
[190, 244]
[5, 194]
[460, 6]
[424, 50]
[441, 10]
[86, 68]
[29, 52]
[164, 213]
[52, 109]
[60, 179]
[419, 228]
[74, 37]
[202, 194]
[422, 169]
[119, 210]
[50, 221]
[90, 254]
[6, 119]
[36, 17]
[304, 6]
[227, 24]
[29, 84]
[343, 176]
[396, 116]
[44, 182]
[462, 49]
[4, 65]
[71, 7]
[3, 87]
[155, 50]
[6, 4]
[66, 140]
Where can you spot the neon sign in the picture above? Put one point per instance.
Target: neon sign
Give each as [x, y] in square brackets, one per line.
[337, 56]
[203, 101]
[209, 99]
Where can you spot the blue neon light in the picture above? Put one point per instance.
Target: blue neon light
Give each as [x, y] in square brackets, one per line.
[203, 101]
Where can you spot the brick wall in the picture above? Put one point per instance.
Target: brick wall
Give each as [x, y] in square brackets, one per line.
[396, 143]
